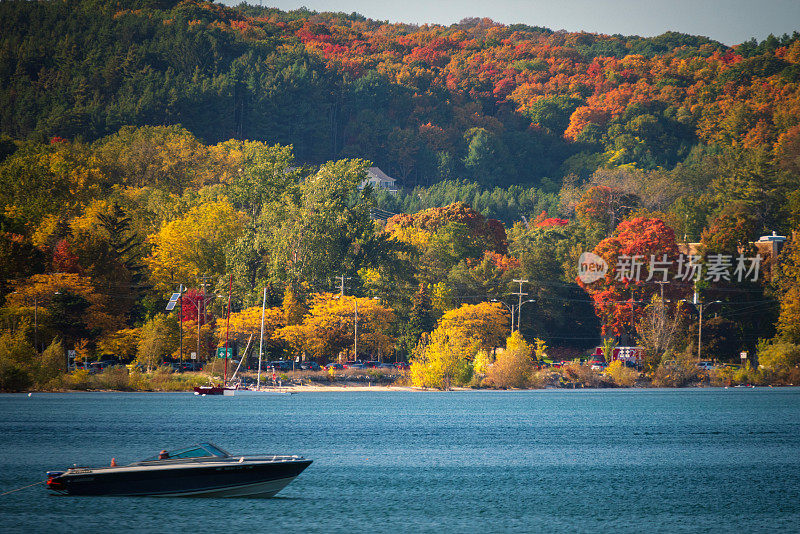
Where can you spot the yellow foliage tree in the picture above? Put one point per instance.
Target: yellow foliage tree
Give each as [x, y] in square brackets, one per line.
[120, 344]
[540, 349]
[787, 278]
[194, 244]
[441, 297]
[167, 157]
[33, 295]
[513, 366]
[157, 339]
[247, 323]
[620, 374]
[485, 323]
[329, 327]
[293, 308]
[480, 365]
[445, 361]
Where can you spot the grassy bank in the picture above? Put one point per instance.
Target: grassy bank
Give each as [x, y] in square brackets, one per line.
[570, 376]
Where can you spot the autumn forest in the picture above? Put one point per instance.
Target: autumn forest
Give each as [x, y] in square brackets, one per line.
[152, 147]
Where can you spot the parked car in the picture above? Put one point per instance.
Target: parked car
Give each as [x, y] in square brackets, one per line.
[335, 366]
[386, 366]
[402, 365]
[705, 365]
[310, 366]
[372, 364]
[281, 365]
[598, 365]
[354, 365]
[99, 367]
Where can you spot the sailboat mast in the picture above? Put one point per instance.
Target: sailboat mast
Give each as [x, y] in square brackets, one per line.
[228, 330]
[261, 339]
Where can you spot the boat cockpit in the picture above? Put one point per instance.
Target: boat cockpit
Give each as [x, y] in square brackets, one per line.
[198, 451]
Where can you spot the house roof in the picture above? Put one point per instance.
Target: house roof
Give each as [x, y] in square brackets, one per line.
[375, 172]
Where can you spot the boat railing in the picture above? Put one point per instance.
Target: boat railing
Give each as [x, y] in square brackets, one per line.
[236, 458]
[198, 460]
[274, 457]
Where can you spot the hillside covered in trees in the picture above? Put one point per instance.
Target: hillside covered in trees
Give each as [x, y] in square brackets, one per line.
[149, 144]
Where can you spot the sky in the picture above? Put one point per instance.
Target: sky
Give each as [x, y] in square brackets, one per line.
[728, 21]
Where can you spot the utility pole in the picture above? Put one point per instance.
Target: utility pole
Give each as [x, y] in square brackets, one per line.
[261, 339]
[180, 323]
[355, 332]
[228, 330]
[200, 305]
[662, 283]
[342, 279]
[520, 294]
[36, 322]
[700, 307]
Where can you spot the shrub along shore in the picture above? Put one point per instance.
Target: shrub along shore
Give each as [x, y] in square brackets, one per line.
[569, 376]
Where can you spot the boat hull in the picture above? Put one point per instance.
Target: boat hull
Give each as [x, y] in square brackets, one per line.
[257, 490]
[229, 479]
[212, 390]
[258, 392]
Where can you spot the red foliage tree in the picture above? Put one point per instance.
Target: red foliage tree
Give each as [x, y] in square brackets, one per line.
[552, 221]
[64, 261]
[195, 304]
[619, 297]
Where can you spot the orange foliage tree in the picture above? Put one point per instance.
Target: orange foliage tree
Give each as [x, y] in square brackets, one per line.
[329, 327]
[635, 255]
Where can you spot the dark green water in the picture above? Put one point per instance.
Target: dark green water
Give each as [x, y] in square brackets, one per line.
[701, 460]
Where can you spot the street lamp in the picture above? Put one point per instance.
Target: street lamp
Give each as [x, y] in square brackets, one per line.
[700, 308]
[509, 308]
[516, 311]
[519, 311]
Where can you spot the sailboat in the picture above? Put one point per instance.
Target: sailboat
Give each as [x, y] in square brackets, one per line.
[258, 390]
[224, 389]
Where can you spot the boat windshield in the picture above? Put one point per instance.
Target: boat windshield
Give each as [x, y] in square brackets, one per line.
[201, 450]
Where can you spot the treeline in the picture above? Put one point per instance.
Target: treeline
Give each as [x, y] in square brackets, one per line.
[517, 149]
[509, 205]
[480, 101]
[95, 237]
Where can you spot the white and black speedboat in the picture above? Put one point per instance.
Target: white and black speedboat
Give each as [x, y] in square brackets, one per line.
[202, 470]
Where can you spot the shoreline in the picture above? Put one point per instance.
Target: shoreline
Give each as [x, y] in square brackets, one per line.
[389, 389]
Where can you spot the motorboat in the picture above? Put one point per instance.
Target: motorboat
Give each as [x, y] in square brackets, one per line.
[202, 470]
[213, 390]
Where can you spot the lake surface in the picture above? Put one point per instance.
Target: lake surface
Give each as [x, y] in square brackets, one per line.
[698, 460]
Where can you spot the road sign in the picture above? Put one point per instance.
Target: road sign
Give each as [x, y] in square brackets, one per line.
[172, 300]
[194, 355]
[221, 352]
[743, 355]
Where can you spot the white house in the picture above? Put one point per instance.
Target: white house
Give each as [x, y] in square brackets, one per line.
[379, 180]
